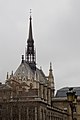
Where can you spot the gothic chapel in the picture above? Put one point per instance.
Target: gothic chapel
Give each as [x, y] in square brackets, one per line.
[28, 93]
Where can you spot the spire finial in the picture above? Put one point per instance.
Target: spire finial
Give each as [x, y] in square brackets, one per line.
[50, 70]
[50, 66]
[12, 73]
[22, 58]
[30, 11]
[30, 14]
[7, 76]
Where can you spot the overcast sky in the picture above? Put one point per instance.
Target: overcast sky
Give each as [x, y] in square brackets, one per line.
[56, 31]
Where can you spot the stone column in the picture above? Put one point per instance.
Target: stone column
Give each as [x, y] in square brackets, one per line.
[41, 90]
[35, 113]
[11, 114]
[39, 114]
[49, 95]
[19, 113]
[45, 92]
[27, 114]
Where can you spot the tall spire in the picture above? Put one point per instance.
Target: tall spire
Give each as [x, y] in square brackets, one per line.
[51, 80]
[30, 30]
[50, 70]
[30, 52]
[51, 77]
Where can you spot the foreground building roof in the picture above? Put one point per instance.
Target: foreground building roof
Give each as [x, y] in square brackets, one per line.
[62, 92]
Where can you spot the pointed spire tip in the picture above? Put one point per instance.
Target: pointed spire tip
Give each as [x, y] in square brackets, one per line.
[30, 14]
[50, 66]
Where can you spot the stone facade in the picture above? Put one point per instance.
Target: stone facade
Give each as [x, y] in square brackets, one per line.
[29, 107]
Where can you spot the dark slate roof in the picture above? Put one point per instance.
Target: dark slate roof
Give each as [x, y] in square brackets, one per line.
[62, 92]
[24, 70]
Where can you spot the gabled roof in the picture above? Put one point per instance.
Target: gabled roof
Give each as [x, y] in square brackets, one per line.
[62, 92]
